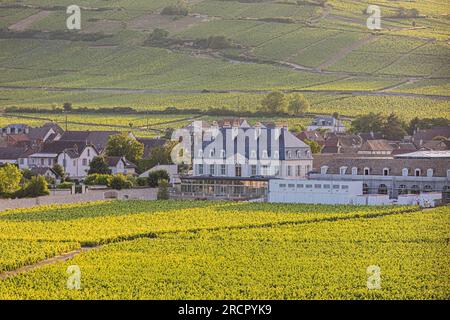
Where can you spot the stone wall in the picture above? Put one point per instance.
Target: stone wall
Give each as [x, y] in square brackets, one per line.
[92, 195]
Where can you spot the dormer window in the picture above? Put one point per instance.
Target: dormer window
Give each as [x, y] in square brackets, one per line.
[253, 154]
[200, 153]
[386, 171]
[405, 172]
[430, 173]
[289, 154]
[417, 172]
[323, 170]
[354, 171]
[222, 153]
[366, 171]
[342, 170]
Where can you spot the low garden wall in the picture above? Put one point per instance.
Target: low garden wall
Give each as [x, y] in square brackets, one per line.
[65, 197]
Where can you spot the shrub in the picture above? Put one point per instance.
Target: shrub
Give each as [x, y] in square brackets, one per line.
[156, 176]
[36, 187]
[98, 179]
[10, 177]
[120, 182]
[163, 191]
[142, 182]
[177, 10]
[65, 185]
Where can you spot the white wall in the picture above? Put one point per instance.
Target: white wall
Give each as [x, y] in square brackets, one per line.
[314, 191]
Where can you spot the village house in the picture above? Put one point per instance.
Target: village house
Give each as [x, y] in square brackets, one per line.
[327, 123]
[120, 165]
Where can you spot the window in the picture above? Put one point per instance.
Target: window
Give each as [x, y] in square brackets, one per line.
[402, 189]
[365, 188]
[20, 161]
[222, 153]
[212, 169]
[385, 171]
[427, 188]
[200, 169]
[382, 189]
[238, 170]
[308, 186]
[222, 169]
[299, 154]
[298, 171]
[405, 172]
[415, 189]
[289, 171]
[448, 173]
[300, 186]
[289, 154]
[276, 170]
[318, 186]
[366, 171]
[323, 170]
[264, 170]
[74, 162]
[335, 186]
[417, 172]
[282, 185]
[342, 170]
[89, 152]
[326, 186]
[84, 162]
[291, 186]
[354, 171]
[429, 172]
[276, 155]
[253, 154]
[344, 187]
[253, 169]
[42, 161]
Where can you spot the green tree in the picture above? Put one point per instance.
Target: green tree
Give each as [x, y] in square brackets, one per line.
[159, 155]
[394, 128]
[298, 104]
[315, 147]
[67, 106]
[10, 177]
[36, 187]
[98, 165]
[372, 122]
[59, 170]
[121, 145]
[274, 102]
[155, 177]
[120, 181]
[163, 190]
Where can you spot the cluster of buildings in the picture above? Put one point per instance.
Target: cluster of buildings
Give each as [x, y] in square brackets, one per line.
[40, 149]
[358, 169]
[231, 159]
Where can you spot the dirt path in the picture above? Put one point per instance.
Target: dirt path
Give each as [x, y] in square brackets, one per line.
[345, 51]
[52, 260]
[27, 22]
[193, 91]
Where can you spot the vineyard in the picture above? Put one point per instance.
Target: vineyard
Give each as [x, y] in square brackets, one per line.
[205, 250]
[276, 45]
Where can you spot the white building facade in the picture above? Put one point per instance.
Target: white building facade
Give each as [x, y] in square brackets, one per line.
[243, 151]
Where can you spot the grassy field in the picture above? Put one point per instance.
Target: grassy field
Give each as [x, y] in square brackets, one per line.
[330, 46]
[204, 250]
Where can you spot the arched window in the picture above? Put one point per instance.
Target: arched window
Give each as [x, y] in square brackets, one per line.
[402, 189]
[415, 189]
[382, 189]
[354, 171]
[323, 170]
[386, 171]
[366, 171]
[222, 153]
[417, 172]
[429, 172]
[253, 154]
[427, 188]
[276, 155]
[289, 154]
[342, 170]
[405, 172]
[365, 188]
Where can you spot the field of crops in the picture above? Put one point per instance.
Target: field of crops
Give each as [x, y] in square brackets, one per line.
[333, 38]
[204, 250]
